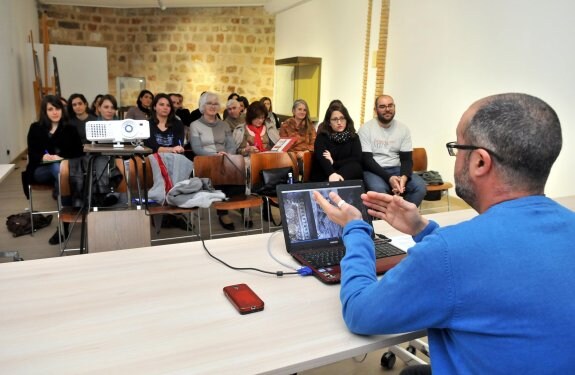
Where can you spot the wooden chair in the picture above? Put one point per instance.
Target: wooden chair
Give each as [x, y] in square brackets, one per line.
[73, 215]
[307, 160]
[269, 160]
[228, 170]
[419, 157]
[157, 211]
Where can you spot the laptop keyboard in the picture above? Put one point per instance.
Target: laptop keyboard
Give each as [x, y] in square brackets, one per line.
[329, 257]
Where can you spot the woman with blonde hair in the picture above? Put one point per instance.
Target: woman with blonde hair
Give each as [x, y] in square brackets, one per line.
[299, 127]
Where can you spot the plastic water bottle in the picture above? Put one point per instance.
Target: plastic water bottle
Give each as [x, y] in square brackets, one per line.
[290, 178]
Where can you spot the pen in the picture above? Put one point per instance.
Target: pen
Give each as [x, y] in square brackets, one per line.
[46, 152]
[180, 142]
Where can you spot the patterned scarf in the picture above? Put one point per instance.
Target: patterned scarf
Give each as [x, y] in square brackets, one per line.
[342, 137]
[257, 133]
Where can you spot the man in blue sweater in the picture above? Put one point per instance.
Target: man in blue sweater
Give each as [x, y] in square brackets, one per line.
[496, 293]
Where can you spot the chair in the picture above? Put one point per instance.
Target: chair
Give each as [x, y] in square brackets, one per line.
[157, 211]
[67, 214]
[306, 163]
[269, 160]
[29, 188]
[227, 170]
[419, 157]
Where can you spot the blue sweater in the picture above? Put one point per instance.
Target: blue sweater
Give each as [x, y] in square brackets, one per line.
[496, 293]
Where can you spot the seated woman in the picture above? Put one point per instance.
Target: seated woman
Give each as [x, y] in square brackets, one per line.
[79, 115]
[210, 136]
[337, 155]
[256, 135]
[166, 130]
[108, 108]
[299, 127]
[272, 117]
[143, 108]
[50, 140]
[95, 106]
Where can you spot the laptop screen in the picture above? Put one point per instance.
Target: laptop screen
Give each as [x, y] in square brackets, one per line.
[304, 223]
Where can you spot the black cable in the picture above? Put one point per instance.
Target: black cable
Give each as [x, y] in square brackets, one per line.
[277, 273]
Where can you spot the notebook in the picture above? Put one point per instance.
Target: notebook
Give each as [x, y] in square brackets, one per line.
[314, 240]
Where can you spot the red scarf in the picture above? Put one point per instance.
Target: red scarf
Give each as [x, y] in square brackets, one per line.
[257, 134]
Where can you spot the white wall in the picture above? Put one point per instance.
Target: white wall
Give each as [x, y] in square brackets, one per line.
[445, 54]
[335, 31]
[17, 18]
[82, 70]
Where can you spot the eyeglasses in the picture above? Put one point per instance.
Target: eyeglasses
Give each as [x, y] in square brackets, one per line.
[383, 106]
[338, 119]
[213, 104]
[452, 148]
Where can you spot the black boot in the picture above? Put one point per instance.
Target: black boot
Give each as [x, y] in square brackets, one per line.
[54, 239]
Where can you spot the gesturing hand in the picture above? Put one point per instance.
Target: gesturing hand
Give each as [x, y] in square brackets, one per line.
[342, 213]
[399, 213]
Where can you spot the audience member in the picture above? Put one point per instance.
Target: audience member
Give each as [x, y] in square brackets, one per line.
[210, 136]
[234, 117]
[337, 150]
[387, 154]
[319, 126]
[50, 140]
[108, 108]
[143, 108]
[166, 131]
[255, 135]
[95, 107]
[244, 104]
[78, 113]
[299, 127]
[272, 117]
[492, 298]
[233, 95]
[183, 113]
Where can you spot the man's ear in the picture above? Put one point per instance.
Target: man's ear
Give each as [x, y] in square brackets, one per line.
[481, 162]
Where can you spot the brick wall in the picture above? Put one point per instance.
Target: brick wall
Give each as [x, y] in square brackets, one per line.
[186, 50]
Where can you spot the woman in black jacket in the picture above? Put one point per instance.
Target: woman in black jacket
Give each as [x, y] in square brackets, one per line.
[337, 149]
[50, 140]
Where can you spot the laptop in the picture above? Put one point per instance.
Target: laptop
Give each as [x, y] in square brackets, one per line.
[314, 240]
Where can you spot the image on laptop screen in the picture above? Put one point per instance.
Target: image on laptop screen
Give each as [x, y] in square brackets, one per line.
[305, 221]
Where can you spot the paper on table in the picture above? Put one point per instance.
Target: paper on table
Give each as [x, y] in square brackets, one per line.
[403, 242]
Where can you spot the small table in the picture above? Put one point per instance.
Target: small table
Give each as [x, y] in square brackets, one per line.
[95, 150]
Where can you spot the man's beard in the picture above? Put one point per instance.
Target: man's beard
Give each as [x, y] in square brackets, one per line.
[383, 120]
[464, 188]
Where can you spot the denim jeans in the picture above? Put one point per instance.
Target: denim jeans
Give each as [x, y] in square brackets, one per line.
[415, 189]
[46, 174]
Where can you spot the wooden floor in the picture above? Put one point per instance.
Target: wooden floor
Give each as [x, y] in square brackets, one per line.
[37, 246]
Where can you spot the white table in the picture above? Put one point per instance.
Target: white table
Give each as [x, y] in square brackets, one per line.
[162, 310]
[5, 170]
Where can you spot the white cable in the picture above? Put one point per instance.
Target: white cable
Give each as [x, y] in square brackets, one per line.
[273, 257]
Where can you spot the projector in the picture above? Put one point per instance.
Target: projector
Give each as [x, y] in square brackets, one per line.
[117, 131]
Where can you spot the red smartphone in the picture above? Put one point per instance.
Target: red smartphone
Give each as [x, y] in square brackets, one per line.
[243, 298]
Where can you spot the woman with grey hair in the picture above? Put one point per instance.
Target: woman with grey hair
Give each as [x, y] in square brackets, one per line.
[210, 136]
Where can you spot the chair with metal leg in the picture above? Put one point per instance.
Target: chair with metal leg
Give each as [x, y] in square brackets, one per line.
[225, 170]
[270, 160]
[158, 211]
[434, 192]
[29, 189]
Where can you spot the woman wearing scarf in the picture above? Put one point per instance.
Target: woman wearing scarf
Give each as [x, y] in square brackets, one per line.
[255, 136]
[337, 155]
